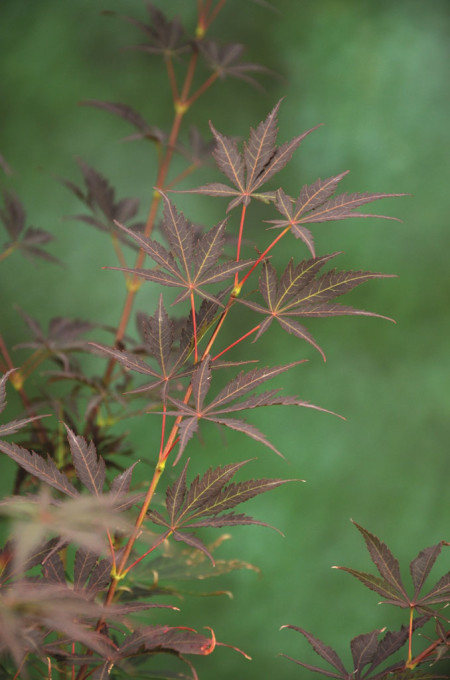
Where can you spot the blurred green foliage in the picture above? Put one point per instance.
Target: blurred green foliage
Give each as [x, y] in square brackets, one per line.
[376, 73]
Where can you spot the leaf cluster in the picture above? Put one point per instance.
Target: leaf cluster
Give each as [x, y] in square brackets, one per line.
[369, 652]
[93, 543]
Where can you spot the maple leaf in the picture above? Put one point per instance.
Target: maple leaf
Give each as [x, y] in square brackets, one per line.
[299, 293]
[225, 60]
[31, 610]
[215, 410]
[99, 197]
[165, 36]
[61, 339]
[314, 204]
[145, 130]
[366, 649]
[159, 339]
[206, 502]
[191, 264]
[25, 239]
[390, 585]
[260, 161]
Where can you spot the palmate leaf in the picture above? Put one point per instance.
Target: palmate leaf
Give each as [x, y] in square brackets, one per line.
[159, 338]
[383, 559]
[206, 502]
[165, 36]
[249, 171]
[191, 263]
[99, 197]
[225, 60]
[63, 337]
[26, 239]
[314, 204]
[367, 650]
[299, 293]
[237, 388]
[390, 585]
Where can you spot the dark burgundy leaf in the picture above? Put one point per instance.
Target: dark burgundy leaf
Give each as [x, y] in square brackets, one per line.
[3, 381]
[165, 36]
[384, 560]
[45, 470]
[260, 161]
[83, 565]
[100, 577]
[207, 487]
[54, 570]
[439, 593]
[363, 649]
[90, 468]
[176, 493]
[380, 585]
[225, 60]
[193, 541]
[130, 116]
[324, 651]
[389, 644]
[181, 640]
[299, 293]
[120, 485]
[421, 566]
[317, 669]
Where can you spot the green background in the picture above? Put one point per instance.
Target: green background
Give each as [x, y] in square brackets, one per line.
[376, 74]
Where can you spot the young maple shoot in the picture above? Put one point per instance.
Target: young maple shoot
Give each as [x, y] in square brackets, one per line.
[86, 532]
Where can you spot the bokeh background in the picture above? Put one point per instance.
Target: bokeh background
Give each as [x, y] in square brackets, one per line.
[376, 74]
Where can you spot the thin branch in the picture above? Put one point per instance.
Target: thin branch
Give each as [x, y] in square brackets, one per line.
[236, 342]
[261, 257]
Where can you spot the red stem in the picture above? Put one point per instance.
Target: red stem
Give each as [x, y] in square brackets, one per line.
[157, 543]
[163, 431]
[420, 658]
[194, 326]
[241, 231]
[185, 173]
[410, 633]
[237, 341]
[208, 82]
[220, 5]
[262, 256]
